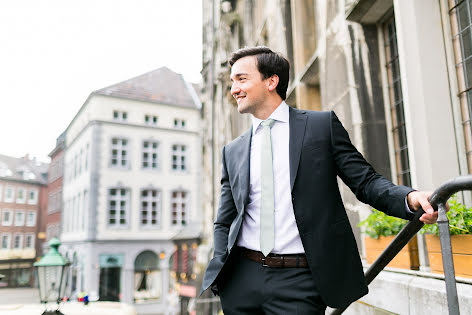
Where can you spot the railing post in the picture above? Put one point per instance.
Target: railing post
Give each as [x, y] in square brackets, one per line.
[448, 262]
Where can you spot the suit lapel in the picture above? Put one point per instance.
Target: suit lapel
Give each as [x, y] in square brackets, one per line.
[297, 131]
[244, 152]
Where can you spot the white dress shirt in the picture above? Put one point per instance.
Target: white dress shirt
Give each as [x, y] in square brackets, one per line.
[287, 238]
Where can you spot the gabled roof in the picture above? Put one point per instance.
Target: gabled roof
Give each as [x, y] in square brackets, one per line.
[23, 169]
[162, 86]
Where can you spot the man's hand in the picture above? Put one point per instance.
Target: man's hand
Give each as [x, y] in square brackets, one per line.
[417, 199]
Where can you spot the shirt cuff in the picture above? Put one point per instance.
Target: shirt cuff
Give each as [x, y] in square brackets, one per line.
[408, 207]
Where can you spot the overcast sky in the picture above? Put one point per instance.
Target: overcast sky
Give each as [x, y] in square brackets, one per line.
[54, 53]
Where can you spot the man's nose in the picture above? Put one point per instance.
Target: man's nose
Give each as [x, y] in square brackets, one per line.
[235, 89]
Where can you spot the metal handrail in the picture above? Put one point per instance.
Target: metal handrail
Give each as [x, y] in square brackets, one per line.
[438, 200]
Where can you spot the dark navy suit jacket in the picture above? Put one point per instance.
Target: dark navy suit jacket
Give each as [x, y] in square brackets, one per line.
[320, 151]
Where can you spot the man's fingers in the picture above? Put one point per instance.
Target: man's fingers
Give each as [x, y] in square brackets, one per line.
[429, 218]
[424, 202]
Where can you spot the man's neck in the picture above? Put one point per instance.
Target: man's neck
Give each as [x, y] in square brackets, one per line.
[265, 112]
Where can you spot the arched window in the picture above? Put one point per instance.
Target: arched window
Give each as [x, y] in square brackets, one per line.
[147, 277]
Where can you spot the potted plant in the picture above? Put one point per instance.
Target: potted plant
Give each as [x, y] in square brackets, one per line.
[460, 227]
[381, 229]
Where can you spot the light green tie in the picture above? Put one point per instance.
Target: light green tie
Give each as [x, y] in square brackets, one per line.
[267, 190]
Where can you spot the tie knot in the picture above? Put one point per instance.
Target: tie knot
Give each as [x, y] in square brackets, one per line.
[268, 123]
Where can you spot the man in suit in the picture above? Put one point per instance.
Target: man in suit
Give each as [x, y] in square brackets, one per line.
[283, 242]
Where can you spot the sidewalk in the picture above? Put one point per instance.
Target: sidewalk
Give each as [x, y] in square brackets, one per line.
[19, 295]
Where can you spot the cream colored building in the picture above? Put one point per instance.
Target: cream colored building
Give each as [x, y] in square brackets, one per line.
[131, 185]
[397, 75]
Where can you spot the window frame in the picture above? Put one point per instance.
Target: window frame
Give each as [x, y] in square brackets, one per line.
[17, 212]
[117, 218]
[12, 198]
[120, 149]
[21, 242]
[27, 235]
[179, 210]
[11, 212]
[9, 241]
[150, 151]
[181, 160]
[35, 200]
[150, 199]
[120, 115]
[151, 120]
[28, 213]
[396, 129]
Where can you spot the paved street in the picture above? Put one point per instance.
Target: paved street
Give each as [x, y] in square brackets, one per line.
[19, 296]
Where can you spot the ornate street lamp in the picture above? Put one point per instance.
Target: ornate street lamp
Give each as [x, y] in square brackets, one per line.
[52, 270]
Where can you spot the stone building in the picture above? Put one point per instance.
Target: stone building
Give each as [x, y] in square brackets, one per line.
[131, 185]
[23, 191]
[397, 75]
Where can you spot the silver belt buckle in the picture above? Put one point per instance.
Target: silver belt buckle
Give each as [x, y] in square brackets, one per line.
[263, 262]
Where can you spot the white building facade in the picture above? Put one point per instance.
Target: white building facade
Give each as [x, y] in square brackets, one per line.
[131, 181]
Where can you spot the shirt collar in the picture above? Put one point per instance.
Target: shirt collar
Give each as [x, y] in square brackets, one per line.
[281, 113]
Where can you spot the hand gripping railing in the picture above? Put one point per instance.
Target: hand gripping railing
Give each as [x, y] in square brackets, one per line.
[438, 200]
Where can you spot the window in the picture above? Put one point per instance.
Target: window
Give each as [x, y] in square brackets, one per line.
[179, 123]
[9, 193]
[119, 153]
[52, 230]
[87, 149]
[118, 207]
[150, 120]
[78, 213]
[7, 217]
[55, 201]
[150, 155]
[461, 25]
[1, 191]
[33, 197]
[84, 210]
[18, 241]
[179, 208]
[20, 195]
[150, 207]
[6, 241]
[31, 218]
[19, 218]
[396, 104]
[29, 241]
[120, 115]
[178, 157]
[81, 156]
[75, 166]
[51, 203]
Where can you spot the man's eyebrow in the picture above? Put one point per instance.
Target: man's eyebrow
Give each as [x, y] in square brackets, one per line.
[237, 75]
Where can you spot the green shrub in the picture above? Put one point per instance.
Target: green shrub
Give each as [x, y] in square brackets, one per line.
[379, 224]
[460, 220]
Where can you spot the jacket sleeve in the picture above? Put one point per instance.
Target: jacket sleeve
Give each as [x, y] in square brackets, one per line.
[226, 211]
[368, 186]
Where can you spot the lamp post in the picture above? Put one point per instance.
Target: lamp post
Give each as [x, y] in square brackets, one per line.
[52, 270]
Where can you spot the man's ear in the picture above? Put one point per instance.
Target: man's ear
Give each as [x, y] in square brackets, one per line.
[272, 82]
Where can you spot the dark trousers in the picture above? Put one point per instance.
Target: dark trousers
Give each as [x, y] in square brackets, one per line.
[247, 287]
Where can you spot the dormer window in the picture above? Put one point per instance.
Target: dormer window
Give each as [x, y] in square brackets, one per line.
[4, 170]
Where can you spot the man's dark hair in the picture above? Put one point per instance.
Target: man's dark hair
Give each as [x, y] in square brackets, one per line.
[268, 63]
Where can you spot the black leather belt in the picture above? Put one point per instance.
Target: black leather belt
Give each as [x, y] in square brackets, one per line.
[275, 260]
